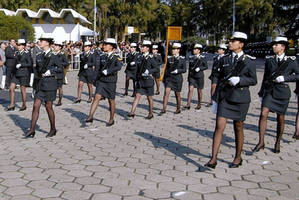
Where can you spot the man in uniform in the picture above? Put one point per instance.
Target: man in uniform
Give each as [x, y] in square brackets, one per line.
[48, 66]
[221, 52]
[173, 78]
[86, 72]
[158, 58]
[197, 65]
[110, 64]
[64, 63]
[21, 75]
[131, 68]
[146, 67]
[237, 72]
[275, 92]
[10, 54]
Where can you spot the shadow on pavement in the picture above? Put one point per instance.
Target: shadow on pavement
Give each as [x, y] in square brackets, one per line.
[24, 123]
[175, 148]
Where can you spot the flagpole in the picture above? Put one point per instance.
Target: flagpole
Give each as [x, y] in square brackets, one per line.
[94, 20]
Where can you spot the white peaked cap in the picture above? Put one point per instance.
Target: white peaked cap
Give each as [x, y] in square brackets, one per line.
[110, 41]
[155, 46]
[281, 39]
[133, 44]
[197, 46]
[239, 35]
[46, 36]
[21, 41]
[87, 43]
[176, 45]
[146, 43]
[58, 42]
[222, 46]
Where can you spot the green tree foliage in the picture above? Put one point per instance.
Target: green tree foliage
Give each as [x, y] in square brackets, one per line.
[10, 27]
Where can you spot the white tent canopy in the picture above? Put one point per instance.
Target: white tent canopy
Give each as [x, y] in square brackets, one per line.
[62, 32]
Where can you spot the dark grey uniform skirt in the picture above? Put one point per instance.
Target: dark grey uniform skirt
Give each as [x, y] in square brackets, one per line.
[278, 106]
[22, 81]
[156, 75]
[234, 111]
[105, 89]
[59, 83]
[131, 74]
[174, 85]
[149, 91]
[196, 82]
[86, 79]
[49, 95]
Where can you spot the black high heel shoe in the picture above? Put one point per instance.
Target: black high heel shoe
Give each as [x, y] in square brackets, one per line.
[257, 149]
[89, 101]
[89, 120]
[177, 112]
[29, 135]
[276, 151]
[198, 107]
[233, 165]
[150, 117]
[51, 133]
[78, 101]
[110, 124]
[187, 107]
[10, 108]
[131, 115]
[23, 108]
[211, 165]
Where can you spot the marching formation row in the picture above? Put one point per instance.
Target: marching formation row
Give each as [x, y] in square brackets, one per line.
[231, 76]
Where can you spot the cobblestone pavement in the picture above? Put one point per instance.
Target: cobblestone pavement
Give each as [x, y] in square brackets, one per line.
[141, 159]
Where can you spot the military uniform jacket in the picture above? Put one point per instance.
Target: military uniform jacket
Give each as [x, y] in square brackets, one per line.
[158, 59]
[89, 59]
[64, 63]
[146, 62]
[44, 63]
[290, 74]
[112, 64]
[214, 67]
[194, 62]
[239, 93]
[23, 58]
[174, 63]
[132, 63]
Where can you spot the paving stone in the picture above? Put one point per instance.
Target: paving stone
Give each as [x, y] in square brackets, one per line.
[172, 186]
[68, 186]
[18, 190]
[106, 196]
[87, 180]
[22, 197]
[154, 194]
[244, 184]
[14, 182]
[96, 188]
[262, 192]
[76, 195]
[202, 189]
[218, 196]
[46, 192]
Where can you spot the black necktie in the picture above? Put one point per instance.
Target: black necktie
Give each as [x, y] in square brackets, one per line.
[235, 59]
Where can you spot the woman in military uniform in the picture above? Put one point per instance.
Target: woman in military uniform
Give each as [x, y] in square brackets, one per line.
[197, 65]
[106, 80]
[158, 58]
[86, 72]
[173, 78]
[48, 66]
[64, 63]
[221, 51]
[146, 67]
[21, 75]
[237, 73]
[131, 68]
[275, 92]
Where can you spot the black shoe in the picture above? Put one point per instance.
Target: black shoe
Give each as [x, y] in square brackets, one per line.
[210, 165]
[150, 117]
[133, 95]
[157, 93]
[276, 151]
[208, 104]
[257, 149]
[51, 133]
[110, 124]
[29, 135]
[89, 101]
[125, 94]
[23, 108]
[78, 101]
[10, 109]
[131, 115]
[198, 107]
[233, 165]
[59, 104]
[89, 120]
[187, 107]
[297, 137]
[162, 112]
[177, 112]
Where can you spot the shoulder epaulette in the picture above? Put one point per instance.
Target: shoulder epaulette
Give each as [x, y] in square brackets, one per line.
[251, 57]
[26, 51]
[268, 57]
[191, 56]
[169, 56]
[202, 56]
[292, 57]
[39, 53]
[150, 55]
[183, 57]
[91, 52]
[225, 55]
